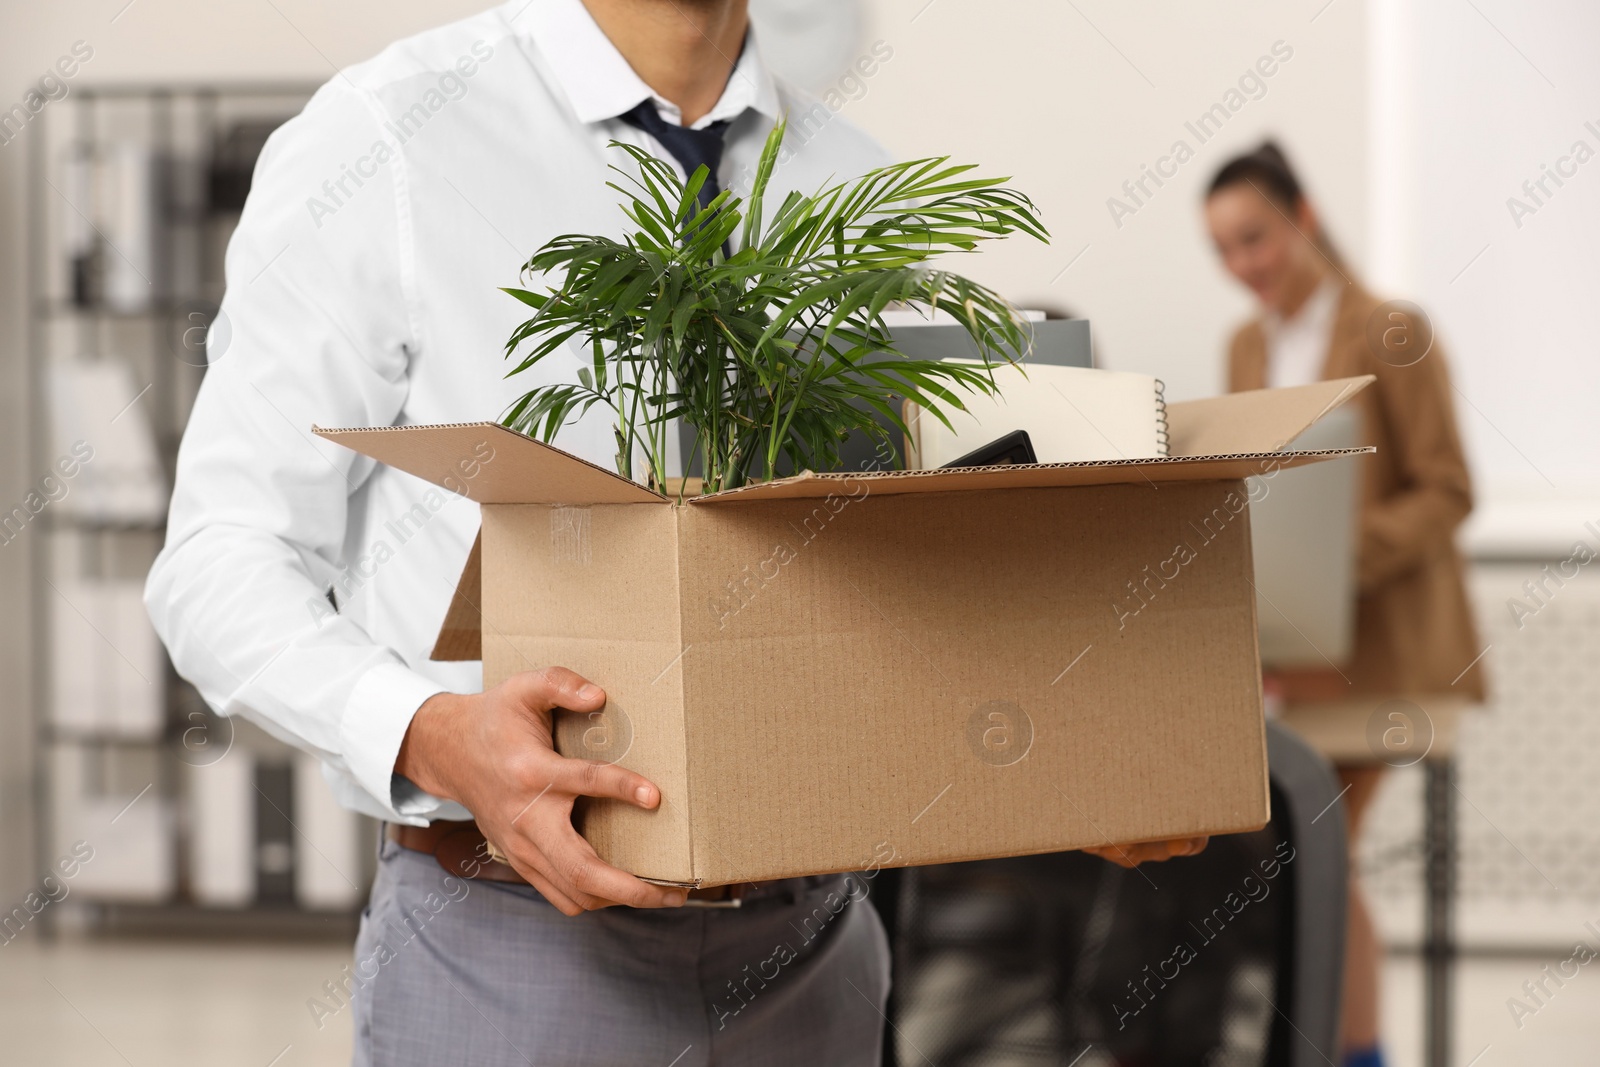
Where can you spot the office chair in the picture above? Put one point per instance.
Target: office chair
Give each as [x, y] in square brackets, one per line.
[1231, 957]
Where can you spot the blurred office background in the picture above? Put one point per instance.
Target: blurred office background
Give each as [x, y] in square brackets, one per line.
[223, 887]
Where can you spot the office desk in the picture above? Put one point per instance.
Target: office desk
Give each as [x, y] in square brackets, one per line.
[1357, 732]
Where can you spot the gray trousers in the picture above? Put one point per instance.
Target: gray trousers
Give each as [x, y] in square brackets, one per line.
[486, 974]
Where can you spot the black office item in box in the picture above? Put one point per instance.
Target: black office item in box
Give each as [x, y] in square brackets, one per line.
[275, 858]
[234, 161]
[1014, 447]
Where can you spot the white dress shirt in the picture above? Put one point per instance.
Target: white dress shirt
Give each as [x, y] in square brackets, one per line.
[363, 291]
[1297, 347]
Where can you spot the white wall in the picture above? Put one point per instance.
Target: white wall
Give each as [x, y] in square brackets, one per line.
[1071, 99]
[1482, 99]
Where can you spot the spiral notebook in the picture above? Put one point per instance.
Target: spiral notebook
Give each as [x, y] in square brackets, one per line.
[1071, 414]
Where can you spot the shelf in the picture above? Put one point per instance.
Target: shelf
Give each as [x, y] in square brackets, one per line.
[189, 920]
[196, 125]
[54, 735]
[151, 91]
[65, 309]
[58, 523]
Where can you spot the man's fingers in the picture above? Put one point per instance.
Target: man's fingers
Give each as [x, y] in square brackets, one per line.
[1120, 856]
[557, 687]
[1141, 853]
[541, 873]
[550, 845]
[569, 901]
[594, 778]
[1160, 851]
[577, 871]
[1149, 851]
[563, 903]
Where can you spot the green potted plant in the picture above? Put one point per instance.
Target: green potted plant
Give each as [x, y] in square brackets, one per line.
[776, 351]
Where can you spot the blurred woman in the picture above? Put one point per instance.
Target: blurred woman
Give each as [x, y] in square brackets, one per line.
[1414, 637]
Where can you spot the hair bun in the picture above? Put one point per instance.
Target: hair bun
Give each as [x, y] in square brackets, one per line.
[1265, 165]
[1270, 153]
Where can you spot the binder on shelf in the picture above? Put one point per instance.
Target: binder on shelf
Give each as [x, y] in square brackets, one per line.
[328, 868]
[108, 665]
[134, 858]
[134, 223]
[275, 851]
[75, 706]
[78, 235]
[233, 162]
[128, 832]
[131, 222]
[222, 844]
[135, 676]
[99, 404]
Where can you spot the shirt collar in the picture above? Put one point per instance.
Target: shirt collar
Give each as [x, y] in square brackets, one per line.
[1315, 315]
[601, 85]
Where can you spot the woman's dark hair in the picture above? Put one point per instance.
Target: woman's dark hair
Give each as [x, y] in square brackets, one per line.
[1266, 168]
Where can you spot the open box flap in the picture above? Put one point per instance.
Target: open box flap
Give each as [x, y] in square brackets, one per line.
[461, 636]
[1223, 437]
[1150, 472]
[1260, 420]
[1217, 438]
[491, 464]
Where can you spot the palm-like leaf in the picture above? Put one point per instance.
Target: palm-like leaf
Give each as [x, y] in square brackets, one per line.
[778, 351]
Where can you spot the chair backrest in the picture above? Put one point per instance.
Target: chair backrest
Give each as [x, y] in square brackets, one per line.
[1306, 808]
[1065, 958]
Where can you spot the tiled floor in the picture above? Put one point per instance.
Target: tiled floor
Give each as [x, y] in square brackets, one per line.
[1565, 1032]
[224, 1005]
[183, 1004]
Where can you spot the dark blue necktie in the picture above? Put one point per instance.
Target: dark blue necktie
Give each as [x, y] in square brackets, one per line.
[691, 148]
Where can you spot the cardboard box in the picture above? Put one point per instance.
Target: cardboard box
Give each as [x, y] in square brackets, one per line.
[836, 671]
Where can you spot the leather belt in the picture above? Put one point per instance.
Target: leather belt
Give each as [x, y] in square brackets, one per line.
[461, 849]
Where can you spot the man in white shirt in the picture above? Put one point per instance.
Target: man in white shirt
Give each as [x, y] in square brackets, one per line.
[302, 586]
[363, 291]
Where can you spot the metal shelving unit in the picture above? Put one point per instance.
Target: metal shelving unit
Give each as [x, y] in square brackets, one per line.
[199, 142]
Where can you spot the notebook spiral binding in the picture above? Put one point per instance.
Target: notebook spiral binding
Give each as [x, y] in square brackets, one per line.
[1163, 438]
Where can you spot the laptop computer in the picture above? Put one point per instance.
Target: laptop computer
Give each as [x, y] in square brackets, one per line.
[1303, 525]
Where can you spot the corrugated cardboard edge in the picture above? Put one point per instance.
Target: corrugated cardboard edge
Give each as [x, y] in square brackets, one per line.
[1220, 468]
[1220, 829]
[1261, 698]
[1256, 419]
[461, 636]
[530, 472]
[1261, 422]
[1232, 424]
[691, 800]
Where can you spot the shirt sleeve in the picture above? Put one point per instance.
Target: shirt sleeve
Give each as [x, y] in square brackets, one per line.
[315, 328]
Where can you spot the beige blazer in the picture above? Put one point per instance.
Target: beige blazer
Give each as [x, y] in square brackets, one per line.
[1415, 634]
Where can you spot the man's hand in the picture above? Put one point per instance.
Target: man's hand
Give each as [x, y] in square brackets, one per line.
[1131, 856]
[492, 753]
